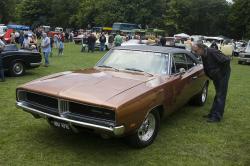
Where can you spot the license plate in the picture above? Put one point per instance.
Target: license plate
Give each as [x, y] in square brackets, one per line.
[60, 124]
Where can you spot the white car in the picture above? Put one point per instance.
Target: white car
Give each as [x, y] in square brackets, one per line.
[78, 39]
[134, 42]
[97, 44]
[244, 57]
[226, 49]
[3, 29]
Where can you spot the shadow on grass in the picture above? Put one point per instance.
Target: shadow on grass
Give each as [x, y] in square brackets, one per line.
[59, 138]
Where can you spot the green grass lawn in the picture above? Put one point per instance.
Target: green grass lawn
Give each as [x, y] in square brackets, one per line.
[185, 138]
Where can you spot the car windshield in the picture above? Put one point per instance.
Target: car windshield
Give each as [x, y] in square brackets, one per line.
[138, 61]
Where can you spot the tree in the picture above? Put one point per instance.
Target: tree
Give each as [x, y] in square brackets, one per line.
[197, 16]
[7, 9]
[63, 11]
[34, 12]
[239, 19]
[106, 12]
[47, 12]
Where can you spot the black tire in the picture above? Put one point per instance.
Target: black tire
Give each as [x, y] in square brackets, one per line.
[201, 98]
[239, 62]
[147, 132]
[17, 68]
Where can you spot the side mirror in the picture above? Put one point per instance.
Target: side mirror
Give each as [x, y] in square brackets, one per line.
[182, 71]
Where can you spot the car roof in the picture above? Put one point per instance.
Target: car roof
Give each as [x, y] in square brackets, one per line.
[159, 49]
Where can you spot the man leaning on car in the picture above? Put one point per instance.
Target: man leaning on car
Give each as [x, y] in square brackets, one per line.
[217, 68]
[2, 45]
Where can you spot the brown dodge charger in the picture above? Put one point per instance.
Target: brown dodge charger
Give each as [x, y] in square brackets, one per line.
[126, 93]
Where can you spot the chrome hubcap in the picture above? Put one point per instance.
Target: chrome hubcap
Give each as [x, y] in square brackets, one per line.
[18, 68]
[204, 94]
[147, 128]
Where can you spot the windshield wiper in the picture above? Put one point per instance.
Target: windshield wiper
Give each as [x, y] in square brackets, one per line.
[138, 70]
[110, 67]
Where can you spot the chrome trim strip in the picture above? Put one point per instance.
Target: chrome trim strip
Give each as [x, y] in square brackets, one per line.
[35, 64]
[118, 130]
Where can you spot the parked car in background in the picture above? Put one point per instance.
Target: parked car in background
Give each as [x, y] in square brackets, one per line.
[53, 33]
[197, 38]
[126, 93]
[244, 57]
[45, 28]
[3, 30]
[240, 46]
[224, 45]
[170, 41]
[59, 29]
[97, 44]
[16, 61]
[133, 42]
[79, 39]
[117, 27]
[7, 35]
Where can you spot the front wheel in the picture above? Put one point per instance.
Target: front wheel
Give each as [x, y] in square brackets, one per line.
[147, 132]
[16, 68]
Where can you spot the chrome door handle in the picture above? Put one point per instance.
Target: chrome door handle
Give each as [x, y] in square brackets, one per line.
[195, 77]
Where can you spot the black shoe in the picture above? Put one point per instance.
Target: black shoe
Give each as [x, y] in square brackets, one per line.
[213, 120]
[207, 116]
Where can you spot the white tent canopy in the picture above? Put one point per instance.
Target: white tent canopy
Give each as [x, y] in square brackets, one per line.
[182, 35]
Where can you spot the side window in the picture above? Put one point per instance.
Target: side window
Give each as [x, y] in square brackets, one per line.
[179, 61]
[190, 62]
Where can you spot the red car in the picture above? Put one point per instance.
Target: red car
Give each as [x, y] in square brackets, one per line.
[7, 35]
[53, 33]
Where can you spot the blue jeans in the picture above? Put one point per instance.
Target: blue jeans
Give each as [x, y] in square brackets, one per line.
[46, 57]
[102, 46]
[56, 43]
[221, 86]
[91, 47]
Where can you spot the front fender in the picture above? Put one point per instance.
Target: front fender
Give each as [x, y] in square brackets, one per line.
[134, 112]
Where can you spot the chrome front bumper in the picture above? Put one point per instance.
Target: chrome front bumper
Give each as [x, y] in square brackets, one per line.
[117, 131]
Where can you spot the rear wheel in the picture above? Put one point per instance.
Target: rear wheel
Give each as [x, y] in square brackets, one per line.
[239, 62]
[16, 68]
[147, 132]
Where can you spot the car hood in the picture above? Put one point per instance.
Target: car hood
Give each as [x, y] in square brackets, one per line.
[90, 85]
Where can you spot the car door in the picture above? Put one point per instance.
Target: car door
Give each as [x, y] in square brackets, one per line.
[195, 70]
[183, 82]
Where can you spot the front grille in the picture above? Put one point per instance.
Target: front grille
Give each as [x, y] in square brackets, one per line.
[42, 100]
[85, 110]
[68, 109]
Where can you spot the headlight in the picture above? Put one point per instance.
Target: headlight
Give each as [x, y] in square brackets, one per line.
[20, 95]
